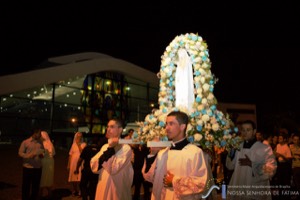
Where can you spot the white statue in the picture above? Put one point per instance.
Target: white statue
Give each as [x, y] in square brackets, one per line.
[184, 84]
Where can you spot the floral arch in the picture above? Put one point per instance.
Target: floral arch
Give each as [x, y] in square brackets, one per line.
[187, 84]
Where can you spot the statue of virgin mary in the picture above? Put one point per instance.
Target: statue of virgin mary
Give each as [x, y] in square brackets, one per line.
[184, 85]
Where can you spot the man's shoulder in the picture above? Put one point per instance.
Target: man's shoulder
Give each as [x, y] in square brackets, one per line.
[104, 147]
[27, 140]
[91, 148]
[193, 147]
[126, 147]
[258, 144]
[162, 151]
[261, 148]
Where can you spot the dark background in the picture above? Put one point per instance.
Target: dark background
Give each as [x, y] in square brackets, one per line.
[253, 46]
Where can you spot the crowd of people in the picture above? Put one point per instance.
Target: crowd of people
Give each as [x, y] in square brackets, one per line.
[267, 167]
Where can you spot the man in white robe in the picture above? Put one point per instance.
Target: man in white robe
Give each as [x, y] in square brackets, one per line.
[254, 165]
[113, 164]
[178, 172]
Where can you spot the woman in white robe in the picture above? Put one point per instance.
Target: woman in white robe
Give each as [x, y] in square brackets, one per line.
[47, 165]
[74, 154]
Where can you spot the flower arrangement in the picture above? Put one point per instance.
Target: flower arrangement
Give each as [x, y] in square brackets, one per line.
[208, 126]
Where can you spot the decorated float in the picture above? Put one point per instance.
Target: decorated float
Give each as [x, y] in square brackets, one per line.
[187, 84]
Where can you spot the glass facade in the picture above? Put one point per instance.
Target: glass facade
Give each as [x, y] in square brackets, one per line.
[79, 103]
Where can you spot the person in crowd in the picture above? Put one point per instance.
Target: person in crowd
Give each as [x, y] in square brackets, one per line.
[179, 171]
[290, 139]
[268, 139]
[274, 141]
[128, 135]
[284, 157]
[47, 178]
[89, 180]
[259, 136]
[295, 149]
[113, 164]
[32, 152]
[138, 156]
[103, 140]
[74, 154]
[140, 152]
[226, 172]
[210, 176]
[216, 163]
[254, 164]
[147, 164]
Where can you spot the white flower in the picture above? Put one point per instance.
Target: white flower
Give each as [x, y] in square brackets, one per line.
[197, 67]
[145, 129]
[197, 137]
[152, 133]
[205, 87]
[198, 44]
[215, 127]
[162, 117]
[157, 113]
[210, 96]
[213, 120]
[205, 118]
[189, 127]
[168, 48]
[166, 70]
[167, 61]
[183, 109]
[202, 71]
[197, 79]
[200, 122]
[200, 107]
[204, 66]
[202, 80]
[204, 101]
[226, 137]
[198, 59]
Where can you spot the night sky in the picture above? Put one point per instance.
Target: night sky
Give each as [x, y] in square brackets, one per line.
[254, 47]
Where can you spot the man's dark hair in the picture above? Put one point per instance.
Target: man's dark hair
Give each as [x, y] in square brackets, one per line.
[296, 134]
[181, 117]
[36, 130]
[119, 122]
[130, 130]
[127, 133]
[265, 134]
[248, 121]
